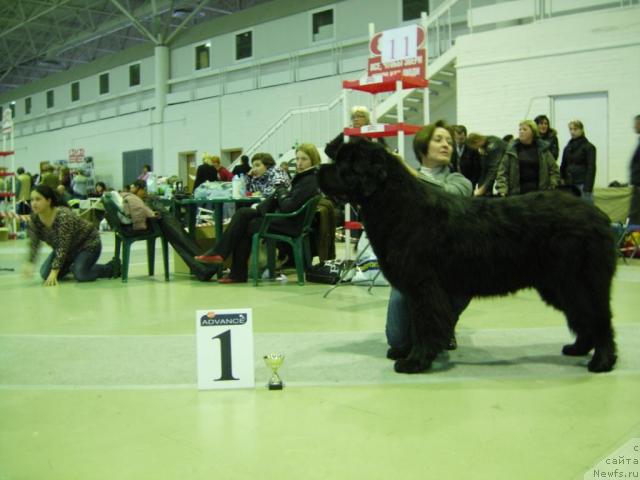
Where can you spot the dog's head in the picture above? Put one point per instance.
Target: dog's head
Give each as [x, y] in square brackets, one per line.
[359, 170]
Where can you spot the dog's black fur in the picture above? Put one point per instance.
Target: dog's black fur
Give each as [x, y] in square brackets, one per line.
[431, 244]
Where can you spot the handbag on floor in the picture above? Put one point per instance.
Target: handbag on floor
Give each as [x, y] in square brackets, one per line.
[328, 272]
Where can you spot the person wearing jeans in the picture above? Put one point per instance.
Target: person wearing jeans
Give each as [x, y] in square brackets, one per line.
[433, 146]
[84, 266]
[75, 242]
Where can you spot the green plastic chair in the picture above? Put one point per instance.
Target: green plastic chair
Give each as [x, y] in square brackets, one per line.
[125, 238]
[299, 244]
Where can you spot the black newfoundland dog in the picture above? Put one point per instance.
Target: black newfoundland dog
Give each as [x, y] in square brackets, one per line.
[430, 244]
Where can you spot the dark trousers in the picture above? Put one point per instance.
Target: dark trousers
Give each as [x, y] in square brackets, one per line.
[236, 241]
[186, 247]
[83, 267]
[634, 207]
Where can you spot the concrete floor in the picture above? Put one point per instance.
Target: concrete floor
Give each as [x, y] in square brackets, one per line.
[97, 381]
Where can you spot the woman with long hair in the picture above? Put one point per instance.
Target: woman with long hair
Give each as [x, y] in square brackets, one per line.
[578, 167]
[75, 242]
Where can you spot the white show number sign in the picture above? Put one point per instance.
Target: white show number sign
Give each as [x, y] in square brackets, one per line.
[225, 349]
[399, 43]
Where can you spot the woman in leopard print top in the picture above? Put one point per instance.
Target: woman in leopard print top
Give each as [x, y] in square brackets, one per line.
[75, 242]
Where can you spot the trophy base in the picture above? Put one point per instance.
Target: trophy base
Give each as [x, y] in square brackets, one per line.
[275, 386]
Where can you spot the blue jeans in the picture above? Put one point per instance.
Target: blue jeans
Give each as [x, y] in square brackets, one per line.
[398, 327]
[83, 267]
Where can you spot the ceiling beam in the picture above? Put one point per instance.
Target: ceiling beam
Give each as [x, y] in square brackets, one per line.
[135, 21]
[107, 27]
[37, 15]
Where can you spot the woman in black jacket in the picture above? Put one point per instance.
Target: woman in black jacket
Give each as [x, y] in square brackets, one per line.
[578, 166]
[548, 134]
[236, 240]
[206, 172]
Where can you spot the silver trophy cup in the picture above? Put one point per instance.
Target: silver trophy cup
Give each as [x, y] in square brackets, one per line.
[274, 361]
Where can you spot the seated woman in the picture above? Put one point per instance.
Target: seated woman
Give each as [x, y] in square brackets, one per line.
[236, 240]
[134, 206]
[100, 189]
[264, 177]
[75, 242]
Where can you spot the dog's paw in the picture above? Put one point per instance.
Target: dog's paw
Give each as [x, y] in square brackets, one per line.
[409, 365]
[577, 349]
[602, 363]
[397, 353]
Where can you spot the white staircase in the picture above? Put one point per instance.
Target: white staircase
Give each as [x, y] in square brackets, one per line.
[320, 123]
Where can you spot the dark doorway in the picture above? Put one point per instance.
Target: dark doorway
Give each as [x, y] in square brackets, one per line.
[132, 163]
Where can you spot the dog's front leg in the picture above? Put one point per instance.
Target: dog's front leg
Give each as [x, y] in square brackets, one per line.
[432, 326]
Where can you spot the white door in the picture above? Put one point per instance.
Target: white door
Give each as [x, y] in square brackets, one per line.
[592, 109]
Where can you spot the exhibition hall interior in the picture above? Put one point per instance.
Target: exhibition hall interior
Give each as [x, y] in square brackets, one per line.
[319, 239]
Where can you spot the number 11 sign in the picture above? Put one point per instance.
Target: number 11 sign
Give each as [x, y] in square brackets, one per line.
[225, 349]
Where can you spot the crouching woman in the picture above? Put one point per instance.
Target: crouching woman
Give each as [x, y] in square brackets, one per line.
[75, 242]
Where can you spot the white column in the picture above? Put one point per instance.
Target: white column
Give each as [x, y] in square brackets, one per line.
[425, 92]
[162, 89]
[162, 77]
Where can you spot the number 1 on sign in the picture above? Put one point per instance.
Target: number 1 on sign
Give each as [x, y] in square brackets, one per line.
[393, 48]
[226, 367]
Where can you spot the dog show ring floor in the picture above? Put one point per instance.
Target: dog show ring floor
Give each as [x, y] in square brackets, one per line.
[98, 381]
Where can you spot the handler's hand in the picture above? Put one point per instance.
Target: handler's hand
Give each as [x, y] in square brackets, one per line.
[27, 269]
[52, 279]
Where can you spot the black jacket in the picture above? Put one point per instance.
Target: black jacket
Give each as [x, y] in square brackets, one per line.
[304, 186]
[490, 161]
[579, 163]
[205, 173]
[468, 164]
[635, 167]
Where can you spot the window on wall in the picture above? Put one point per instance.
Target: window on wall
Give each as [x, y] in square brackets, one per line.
[104, 83]
[134, 75]
[244, 45]
[27, 105]
[75, 91]
[202, 56]
[12, 106]
[411, 9]
[322, 25]
[50, 102]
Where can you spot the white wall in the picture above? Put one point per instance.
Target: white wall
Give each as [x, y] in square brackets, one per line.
[210, 125]
[507, 75]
